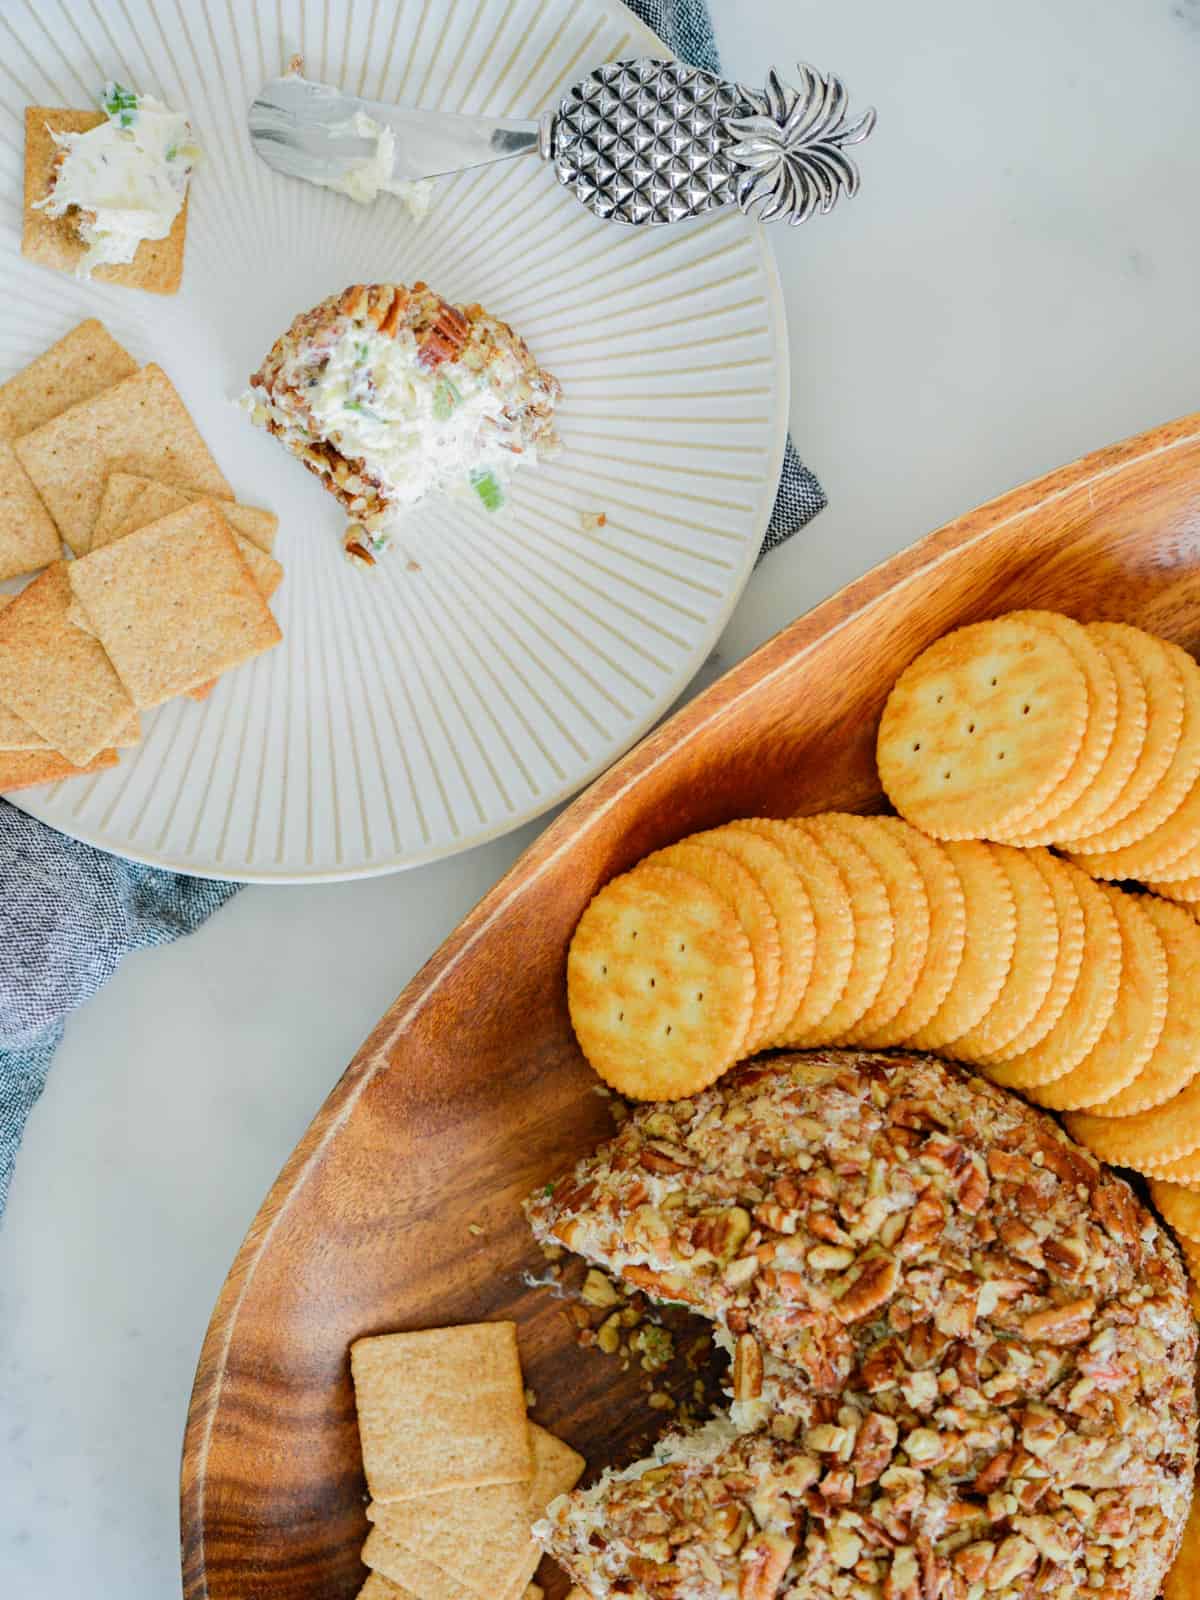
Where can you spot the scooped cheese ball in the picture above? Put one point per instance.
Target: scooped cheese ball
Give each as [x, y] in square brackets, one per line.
[390, 394]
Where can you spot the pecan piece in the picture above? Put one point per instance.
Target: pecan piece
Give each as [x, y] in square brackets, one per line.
[903, 1581]
[764, 1563]
[1065, 1324]
[747, 1368]
[869, 1285]
[1069, 1166]
[722, 1233]
[874, 1447]
[775, 1217]
[665, 1285]
[1057, 1541]
[1117, 1209]
[973, 1190]
[925, 1223]
[1015, 1556]
[659, 1156]
[445, 339]
[993, 1474]
[354, 300]
[359, 551]
[1022, 1242]
[973, 1560]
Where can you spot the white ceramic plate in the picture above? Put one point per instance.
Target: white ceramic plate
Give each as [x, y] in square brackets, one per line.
[491, 665]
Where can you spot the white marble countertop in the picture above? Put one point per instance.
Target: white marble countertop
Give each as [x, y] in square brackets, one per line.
[1016, 285]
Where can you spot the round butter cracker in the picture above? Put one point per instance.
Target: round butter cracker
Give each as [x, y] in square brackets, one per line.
[1185, 890]
[1175, 1060]
[982, 728]
[1135, 1027]
[833, 920]
[874, 930]
[909, 904]
[790, 905]
[1031, 972]
[1068, 913]
[947, 935]
[1040, 826]
[1173, 787]
[1124, 752]
[1089, 1008]
[741, 892]
[1151, 1141]
[1178, 1207]
[1164, 693]
[660, 984]
[990, 935]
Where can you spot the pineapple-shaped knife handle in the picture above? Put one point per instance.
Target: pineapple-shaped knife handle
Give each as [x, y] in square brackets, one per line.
[647, 141]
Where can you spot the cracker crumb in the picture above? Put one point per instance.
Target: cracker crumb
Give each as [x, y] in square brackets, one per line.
[589, 521]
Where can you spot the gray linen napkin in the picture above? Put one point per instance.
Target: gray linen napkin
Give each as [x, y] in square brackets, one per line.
[70, 914]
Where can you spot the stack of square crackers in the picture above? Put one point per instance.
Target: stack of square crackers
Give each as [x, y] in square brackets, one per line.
[170, 579]
[458, 1475]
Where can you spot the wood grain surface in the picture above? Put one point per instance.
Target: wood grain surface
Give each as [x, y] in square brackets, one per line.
[471, 1089]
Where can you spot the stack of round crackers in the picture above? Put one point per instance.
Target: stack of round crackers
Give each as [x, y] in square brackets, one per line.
[1032, 729]
[842, 929]
[846, 930]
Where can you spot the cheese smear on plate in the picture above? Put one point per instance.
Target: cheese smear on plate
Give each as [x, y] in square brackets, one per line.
[366, 180]
[128, 176]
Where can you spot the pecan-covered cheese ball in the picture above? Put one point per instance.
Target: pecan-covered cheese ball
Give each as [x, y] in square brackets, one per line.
[390, 394]
[963, 1356]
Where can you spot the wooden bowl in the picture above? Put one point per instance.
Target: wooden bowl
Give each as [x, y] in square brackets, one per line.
[400, 1206]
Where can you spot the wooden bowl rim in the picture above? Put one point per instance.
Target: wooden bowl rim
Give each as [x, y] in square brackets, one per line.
[784, 653]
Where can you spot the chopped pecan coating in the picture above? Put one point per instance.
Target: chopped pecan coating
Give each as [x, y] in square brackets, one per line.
[963, 1356]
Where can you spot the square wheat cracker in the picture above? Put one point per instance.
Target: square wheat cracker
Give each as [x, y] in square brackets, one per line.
[55, 677]
[441, 1409]
[28, 537]
[425, 1580]
[122, 491]
[81, 365]
[174, 604]
[26, 769]
[156, 500]
[14, 733]
[411, 1572]
[479, 1538]
[130, 501]
[139, 425]
[157, 265]
[377, 1587]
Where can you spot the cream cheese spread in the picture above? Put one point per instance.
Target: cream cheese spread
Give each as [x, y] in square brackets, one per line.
[367, 179]
[127, 177]
[423, 433]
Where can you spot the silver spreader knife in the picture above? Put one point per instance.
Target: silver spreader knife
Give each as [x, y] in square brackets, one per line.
[641, 141]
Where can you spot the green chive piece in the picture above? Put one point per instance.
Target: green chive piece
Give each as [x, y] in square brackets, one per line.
[117, 101]
[548, 1190]
[445, 398]
[487, 486]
